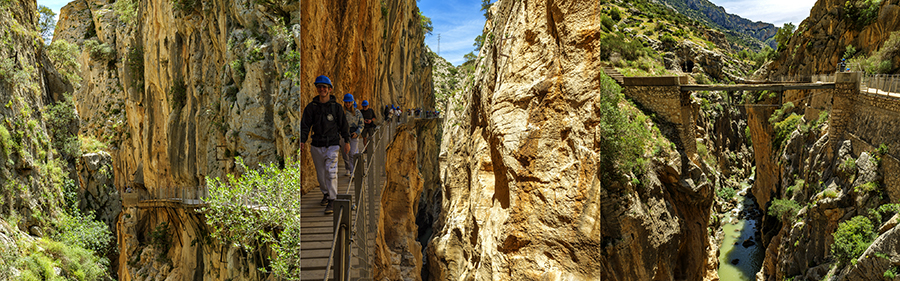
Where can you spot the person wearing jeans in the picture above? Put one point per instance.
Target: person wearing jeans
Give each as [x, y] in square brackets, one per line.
[325, 118]
[355, 121]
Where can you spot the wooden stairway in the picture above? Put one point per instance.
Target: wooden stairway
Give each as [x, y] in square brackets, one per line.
[615, 75]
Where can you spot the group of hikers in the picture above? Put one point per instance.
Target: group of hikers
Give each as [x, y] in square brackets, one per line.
[335, 126]
[338, 129]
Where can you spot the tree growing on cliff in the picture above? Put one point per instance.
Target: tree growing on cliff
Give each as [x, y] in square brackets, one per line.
[46, 22]
[623, 135]
[425, 23]
[486, 7]
[851, 238]
[260, 207]
[862, 12]
[783, 36]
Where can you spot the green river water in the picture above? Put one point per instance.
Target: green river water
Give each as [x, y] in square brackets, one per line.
[749, 258]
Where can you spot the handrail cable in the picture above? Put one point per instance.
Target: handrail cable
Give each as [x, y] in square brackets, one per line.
[333, 244]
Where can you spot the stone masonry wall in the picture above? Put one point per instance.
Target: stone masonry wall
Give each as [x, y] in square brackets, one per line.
[846, 90]
[868, 118]
[665, 101]
[663, 96]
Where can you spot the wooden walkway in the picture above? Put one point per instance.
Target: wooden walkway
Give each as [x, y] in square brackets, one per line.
[317, 232]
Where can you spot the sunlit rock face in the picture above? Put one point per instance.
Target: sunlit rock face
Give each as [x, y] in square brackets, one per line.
[821, 40]
[522, 197]
[185, 86]
[521, 193]
[182, 90]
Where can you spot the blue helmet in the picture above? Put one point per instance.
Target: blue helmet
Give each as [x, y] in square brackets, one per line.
[354, 104]
[322, 79]
[365, 103]
[348, 98]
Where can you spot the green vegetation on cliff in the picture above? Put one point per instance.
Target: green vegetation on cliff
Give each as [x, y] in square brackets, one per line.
[862, 12]
[259, 208]
[628, 138]
[742, 31]
[852, 237]
[880, 61]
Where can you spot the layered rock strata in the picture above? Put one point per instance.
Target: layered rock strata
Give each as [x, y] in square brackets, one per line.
[522, 197]
[181, 88]
[820, 41]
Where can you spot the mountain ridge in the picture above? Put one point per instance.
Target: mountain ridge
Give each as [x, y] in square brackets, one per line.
[717, 17]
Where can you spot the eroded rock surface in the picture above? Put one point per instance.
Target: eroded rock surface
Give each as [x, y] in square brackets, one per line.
[522, 197]
[183, 88]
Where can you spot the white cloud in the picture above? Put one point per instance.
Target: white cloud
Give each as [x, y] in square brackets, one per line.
[456, 41]
[776, 12]
[458, 22]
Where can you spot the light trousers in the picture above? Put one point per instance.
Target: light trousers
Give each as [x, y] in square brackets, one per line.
[325, 160]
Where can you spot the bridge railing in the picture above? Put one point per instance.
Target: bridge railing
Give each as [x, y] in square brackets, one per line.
[885, 83]
[188, 195]
[360, 228]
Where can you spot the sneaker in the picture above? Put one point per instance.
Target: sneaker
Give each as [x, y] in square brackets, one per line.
[330, 208]
[324, 201]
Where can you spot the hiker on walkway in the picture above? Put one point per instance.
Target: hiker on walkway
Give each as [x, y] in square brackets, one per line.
[324, 116]
[355, 122]
[397, 113]
[369, 120]
[386, 113]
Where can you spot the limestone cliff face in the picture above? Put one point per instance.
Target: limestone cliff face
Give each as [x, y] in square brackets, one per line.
[183, 87]
[187, 88]
[410, 201]
[821, 39]
[522, 197]
[33, 169]
[830, 172]
[398, 255]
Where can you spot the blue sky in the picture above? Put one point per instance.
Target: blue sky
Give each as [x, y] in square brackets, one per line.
[459, 21]
[54, 4]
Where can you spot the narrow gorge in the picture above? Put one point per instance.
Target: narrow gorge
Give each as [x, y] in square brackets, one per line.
[581, 140]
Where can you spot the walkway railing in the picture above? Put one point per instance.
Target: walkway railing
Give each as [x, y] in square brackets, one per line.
[884, 84]
[367, 183]
[191, 195]
[360, 229]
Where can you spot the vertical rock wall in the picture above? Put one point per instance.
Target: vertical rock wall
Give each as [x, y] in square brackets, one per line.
[32, 169]
[518, 201]
[410, 201]
[820, 41]
[185, 86]
[522, 197]
[398, 256]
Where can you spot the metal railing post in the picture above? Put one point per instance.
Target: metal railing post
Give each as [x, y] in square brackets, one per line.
[358, 174]
[342, 247]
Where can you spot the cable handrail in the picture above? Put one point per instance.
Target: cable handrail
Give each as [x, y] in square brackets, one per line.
[365, 167]
[366, 176]
[337, 229]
